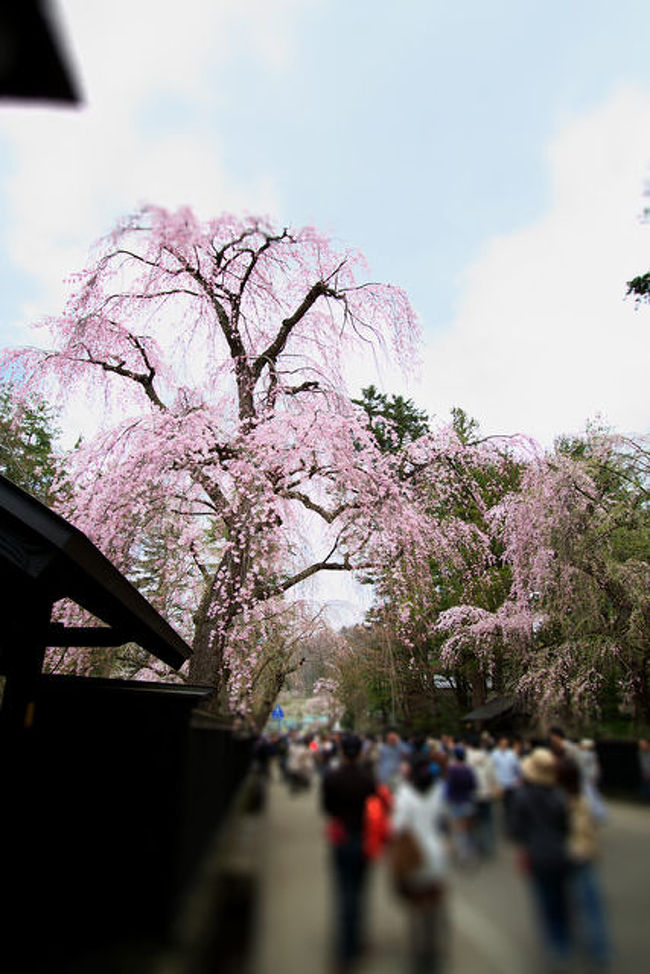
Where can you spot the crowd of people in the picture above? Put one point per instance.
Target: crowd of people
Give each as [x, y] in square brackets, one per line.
[429, 806]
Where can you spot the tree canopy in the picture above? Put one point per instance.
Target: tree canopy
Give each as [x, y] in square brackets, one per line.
[529, 576]
[229, 463]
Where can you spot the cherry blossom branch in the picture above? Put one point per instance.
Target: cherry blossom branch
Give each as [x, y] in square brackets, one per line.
[306, 501]
[140, 378]
[271, 353]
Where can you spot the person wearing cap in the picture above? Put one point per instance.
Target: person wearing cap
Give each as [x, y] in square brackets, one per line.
[540, 826]
[345, 790]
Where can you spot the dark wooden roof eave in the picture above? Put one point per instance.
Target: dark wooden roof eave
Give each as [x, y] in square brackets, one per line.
[496, 707]
[68, 564]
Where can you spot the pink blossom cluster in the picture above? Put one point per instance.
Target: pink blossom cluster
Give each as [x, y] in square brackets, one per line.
[228, 464]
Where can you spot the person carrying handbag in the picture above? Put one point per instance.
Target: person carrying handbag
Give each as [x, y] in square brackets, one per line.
[419, 863]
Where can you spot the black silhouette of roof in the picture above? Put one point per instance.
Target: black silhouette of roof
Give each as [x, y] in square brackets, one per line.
[44, 558]
[33, 64]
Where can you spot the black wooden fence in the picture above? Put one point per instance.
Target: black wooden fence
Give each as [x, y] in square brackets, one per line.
[619, 767]
[109, 803]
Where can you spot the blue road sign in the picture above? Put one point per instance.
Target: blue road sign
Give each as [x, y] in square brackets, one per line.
[278, 713]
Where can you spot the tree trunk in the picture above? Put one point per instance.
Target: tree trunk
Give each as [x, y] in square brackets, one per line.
[462, 690]
[479, 690]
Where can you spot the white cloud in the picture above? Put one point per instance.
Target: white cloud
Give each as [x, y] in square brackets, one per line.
[542, 339]
[75, 171]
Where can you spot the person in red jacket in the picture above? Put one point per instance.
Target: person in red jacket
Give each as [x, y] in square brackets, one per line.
[377, 825]
[345, 791]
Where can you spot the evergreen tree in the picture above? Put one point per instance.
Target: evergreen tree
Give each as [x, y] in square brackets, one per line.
[27, 436]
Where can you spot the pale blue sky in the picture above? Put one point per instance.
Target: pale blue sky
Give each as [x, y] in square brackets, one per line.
[417, 129]
[452, 142]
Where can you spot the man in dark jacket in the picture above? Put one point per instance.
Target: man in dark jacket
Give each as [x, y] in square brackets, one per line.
[540, 825]
[344, 793]
[460, 788]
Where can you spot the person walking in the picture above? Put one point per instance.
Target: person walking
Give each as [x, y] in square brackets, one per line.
[539, 823]
[460, 788]
[564, 747]
[487, 790]
[589, 768]
[282, 756]
[344, 794]
[419, 814]
[391, 758]
[644, 769]
[300, 764]
[589, 763]
[586, 898]
[508, 773]
[370, 753]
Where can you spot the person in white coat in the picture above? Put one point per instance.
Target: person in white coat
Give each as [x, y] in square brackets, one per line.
[420, 810]
[480, 761]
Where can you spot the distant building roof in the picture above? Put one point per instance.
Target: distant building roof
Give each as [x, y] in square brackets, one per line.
[496, 707]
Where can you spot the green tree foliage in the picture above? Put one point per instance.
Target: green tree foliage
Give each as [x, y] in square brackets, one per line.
[394, 421]
[28, 433]
[460, 480]
[532, 577]
[465, 427]
[640, 287]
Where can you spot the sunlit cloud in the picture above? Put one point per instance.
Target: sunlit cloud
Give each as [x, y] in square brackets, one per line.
[543, 339]
[152, 78]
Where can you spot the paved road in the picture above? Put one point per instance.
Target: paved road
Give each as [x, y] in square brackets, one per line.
[492, 924]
